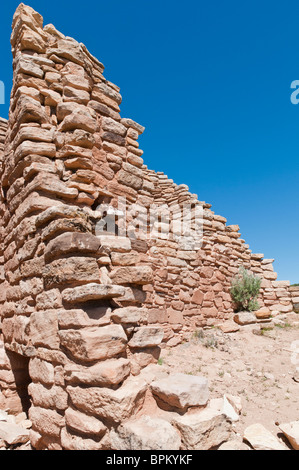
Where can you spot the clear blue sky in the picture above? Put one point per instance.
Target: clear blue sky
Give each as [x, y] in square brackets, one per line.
[210, 81]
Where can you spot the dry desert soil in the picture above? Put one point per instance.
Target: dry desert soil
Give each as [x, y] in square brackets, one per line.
[259, 368]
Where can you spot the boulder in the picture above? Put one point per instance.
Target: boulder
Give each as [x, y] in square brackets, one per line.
[146, 433]
[203, 430]
[262, 313]
[13, 434]
[181, 391]
[291, 431]
[261, 439]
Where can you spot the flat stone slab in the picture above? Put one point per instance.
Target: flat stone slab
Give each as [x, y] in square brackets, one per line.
[13, 434]
[291, 431]
[262, 439]
[92, 292]
[245, 318]
[181, 391]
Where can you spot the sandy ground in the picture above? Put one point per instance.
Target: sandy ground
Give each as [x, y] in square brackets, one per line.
[258, 369]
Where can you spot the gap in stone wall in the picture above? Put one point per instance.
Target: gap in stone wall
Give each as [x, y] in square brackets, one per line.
[20, 369]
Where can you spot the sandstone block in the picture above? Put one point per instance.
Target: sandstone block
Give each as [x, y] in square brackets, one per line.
[106, 373]
[75, 270]
[263, 312]
[79, 318]
[92, 292]
[41, 371]
[13, 434]
[129, 315]
[44, 329]
[71, 441]
[181, 391]
[261, 439]
[146, 433]
[203, 430]
[72, 242]
[83, 423]
[46, 421]
[132, 275]
[48, 397]
[245, 318]
[114, 243]
[291, 431]
[146, 337]
[92, 344]
[117, 405]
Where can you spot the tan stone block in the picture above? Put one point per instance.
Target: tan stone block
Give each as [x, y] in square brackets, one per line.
[92, 344]
[106, 373]
[46, 421]
[116, 405]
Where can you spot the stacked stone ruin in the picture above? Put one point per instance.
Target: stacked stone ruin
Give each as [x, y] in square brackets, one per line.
[83, 314]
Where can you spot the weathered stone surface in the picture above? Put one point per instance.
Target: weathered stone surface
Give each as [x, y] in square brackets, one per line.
[181, 391]
[245, 318]
[71, 441]
[47, 422]
[203, 430]
[224, 406]
[129, 315]
[44, 329]
[116, 405]
[132, 275]
[261, 439]
[92, 344]
[75, 270]
[72, 242]
[92, 292]
[13, 434]
[114, 243]
[291, 431]
[41, 371]
[146, 433]
[79, 318]
[147, 336]
[234, 445]
[262, 313]
[79, 119]
[48, 397]
[109, 372]
[83, 423]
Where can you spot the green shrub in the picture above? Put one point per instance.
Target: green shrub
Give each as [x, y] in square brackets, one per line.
[245, 288]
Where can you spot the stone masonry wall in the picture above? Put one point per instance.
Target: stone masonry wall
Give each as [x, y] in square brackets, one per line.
[83, 313]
